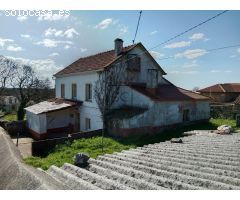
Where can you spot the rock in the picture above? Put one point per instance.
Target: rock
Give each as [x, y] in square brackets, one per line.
[224, 129]
[176, 140]
[81, 160]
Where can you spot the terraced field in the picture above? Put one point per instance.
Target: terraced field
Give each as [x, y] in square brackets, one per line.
[206, 161]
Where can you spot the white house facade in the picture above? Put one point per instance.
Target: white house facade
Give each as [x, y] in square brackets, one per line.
[147, 102]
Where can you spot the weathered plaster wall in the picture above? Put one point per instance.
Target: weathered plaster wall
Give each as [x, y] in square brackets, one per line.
[88, 109]
[146, 63]
[60, 118]
[167, 113]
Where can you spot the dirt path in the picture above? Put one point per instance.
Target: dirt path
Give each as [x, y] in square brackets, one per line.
[24, 146]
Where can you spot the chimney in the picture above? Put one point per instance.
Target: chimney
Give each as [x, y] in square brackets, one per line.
[118, 46]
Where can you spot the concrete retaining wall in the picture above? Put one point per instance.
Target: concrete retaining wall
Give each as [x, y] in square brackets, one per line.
[14, 174]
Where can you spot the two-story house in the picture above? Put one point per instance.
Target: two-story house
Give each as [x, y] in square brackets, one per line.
[146, 103]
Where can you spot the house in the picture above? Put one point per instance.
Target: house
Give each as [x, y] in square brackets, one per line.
[8, 103]
[146, 102]
[222, 93]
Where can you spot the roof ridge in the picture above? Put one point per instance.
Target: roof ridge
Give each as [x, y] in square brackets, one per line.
[222, 87]
[107, 51]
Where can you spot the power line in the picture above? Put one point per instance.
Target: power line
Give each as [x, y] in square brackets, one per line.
[180, 34]
[140, 13]
[205, 51]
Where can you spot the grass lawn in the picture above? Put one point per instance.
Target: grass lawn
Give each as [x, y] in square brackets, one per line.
[65, 152]
[10, 117]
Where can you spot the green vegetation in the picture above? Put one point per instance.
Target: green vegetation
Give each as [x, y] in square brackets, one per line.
[10, 117]
[65, 152]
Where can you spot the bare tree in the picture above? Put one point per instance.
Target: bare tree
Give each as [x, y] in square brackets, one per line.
[107, 89]
[195, 89]
[7, 68]
[28, 86]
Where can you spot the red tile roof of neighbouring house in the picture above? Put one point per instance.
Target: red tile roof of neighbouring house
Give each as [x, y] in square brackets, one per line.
[95, 62]
[169, 92]
[222, 88]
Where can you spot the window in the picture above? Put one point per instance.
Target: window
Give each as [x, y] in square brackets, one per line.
[10, 100]
[62, 91]
[88, 92]
[133, 63]
[186, 115]
[74, 91]
[87, 123]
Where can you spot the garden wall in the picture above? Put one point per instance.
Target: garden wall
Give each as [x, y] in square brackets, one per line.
[42, 147]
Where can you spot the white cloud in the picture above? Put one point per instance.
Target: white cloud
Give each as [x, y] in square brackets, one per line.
[83, 49]
[67, 47]
[183, 72]
[3, 41]
[45, 68]
[191, 54]
[178, 45]
[14, 48]
[156, 55]
[238, 50]
[192, 64]
[53, 54]
[54, 17]
[153, 32]
[25, 36]
[233, 56]
[218, 71]
[104, 23]
[22, 18]
[123, 30]
[69, 33]
[50, 32]
[198, 36]
[215, 71]
[52, 43]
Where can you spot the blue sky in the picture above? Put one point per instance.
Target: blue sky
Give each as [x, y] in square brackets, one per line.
[51, 43]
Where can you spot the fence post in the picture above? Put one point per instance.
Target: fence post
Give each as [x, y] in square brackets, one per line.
[17, 138]
[238, 120]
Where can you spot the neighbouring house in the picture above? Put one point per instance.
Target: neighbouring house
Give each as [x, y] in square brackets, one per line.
[8, 103]
[222, 93]
[147, 102]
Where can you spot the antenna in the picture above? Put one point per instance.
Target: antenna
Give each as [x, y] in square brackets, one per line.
[140, 13]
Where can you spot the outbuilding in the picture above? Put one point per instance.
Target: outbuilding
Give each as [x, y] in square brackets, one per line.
[53, 118]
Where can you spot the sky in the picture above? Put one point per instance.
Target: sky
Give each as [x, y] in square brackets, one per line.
[52, 42]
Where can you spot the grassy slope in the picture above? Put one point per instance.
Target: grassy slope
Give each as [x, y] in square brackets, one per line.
[92, 146]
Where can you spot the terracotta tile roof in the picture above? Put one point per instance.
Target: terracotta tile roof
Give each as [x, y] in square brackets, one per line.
[94, 62]
[169, 93]
[222, 88]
